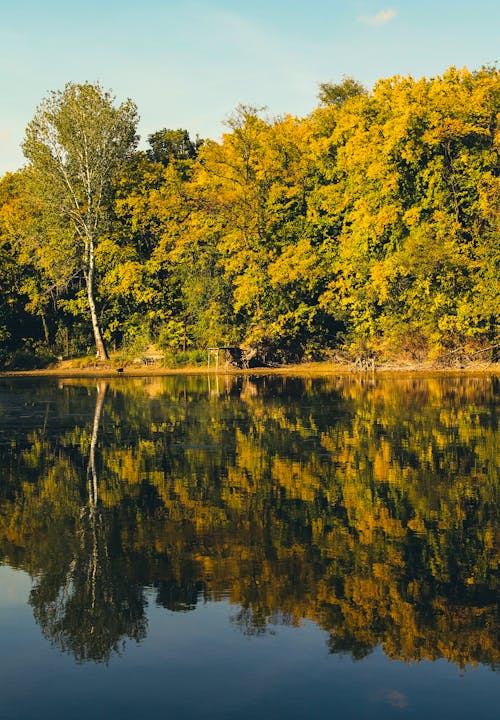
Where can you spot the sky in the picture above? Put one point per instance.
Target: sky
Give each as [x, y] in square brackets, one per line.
[189, 63]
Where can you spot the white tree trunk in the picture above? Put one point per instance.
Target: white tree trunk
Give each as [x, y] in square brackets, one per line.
[89, 281]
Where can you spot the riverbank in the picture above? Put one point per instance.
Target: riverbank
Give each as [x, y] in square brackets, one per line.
[67, 368]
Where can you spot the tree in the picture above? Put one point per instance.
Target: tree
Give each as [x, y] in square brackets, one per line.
[166, 145]
[21, 290]
[76, 144]
[338, 94]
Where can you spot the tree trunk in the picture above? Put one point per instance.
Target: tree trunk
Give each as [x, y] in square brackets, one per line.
[91, 468]
[89, 281]
[93, 492]
[45, 328]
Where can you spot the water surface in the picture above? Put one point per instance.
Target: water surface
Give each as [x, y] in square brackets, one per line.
[273, 547]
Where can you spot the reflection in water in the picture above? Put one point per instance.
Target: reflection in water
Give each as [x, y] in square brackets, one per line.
[369, 507]
[84, 604]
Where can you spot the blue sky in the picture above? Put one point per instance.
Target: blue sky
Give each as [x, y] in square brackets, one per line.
[188, 63]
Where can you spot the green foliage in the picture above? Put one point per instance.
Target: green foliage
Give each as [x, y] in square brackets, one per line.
[371, 226]
[136, 337]
[187, 358]
[172, 335]
[29, 356]
[4, 340]
[76, 144]
[338, 94]
[168, 145]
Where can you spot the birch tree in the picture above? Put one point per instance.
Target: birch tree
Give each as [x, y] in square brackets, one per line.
[75, 146]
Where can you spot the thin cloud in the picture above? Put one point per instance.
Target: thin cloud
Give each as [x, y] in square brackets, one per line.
[396, 699]
[381, 18]
[391, 697]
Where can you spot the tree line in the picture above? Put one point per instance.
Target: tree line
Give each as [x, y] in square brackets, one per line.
[368, 228]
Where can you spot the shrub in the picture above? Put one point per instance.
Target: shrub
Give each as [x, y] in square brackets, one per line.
[185, 359]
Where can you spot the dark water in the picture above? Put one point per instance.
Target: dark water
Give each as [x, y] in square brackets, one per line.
[250, 548]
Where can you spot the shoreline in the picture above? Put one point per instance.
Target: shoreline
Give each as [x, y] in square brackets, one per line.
[315, 369]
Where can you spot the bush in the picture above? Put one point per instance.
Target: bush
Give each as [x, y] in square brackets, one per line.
[171, 336]
[185, 359]
[4, 339]
[30, 357]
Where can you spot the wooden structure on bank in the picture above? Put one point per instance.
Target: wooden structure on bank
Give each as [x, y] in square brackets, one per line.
[230, 356]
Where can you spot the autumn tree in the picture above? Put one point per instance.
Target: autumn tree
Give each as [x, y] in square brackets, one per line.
[370, 226]
[75, 145]
[409, 189]
[153, 205]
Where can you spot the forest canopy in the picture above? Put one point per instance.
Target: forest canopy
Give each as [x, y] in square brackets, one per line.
[369, 228]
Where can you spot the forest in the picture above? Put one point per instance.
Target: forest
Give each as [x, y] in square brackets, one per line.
[368, 230]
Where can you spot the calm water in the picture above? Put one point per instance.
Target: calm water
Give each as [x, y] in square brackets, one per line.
[250, 548]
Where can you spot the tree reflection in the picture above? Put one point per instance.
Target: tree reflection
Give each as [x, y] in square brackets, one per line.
[371, 508]
[91, 604]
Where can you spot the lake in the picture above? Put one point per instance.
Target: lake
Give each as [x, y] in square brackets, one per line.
[250, 547]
